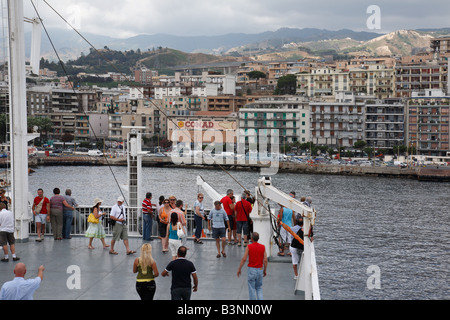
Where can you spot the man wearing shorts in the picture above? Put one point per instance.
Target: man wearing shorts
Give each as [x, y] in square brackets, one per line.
[41, 208]
[229, 205]
[120, 229]
[7, 233]
[217, 217]
[243, 209]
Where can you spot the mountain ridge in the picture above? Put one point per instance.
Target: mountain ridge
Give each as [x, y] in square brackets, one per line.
[287, 43]
[71, 45]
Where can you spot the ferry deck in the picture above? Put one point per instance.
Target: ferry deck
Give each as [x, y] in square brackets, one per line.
[103, 276]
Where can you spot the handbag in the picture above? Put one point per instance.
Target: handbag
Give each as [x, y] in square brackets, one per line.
[93, 219]
[180, 231]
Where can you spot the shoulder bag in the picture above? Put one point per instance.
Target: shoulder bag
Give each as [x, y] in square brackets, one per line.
[250, 222]
[180, 231]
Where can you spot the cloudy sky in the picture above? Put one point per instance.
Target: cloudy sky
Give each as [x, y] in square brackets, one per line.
[125, 18]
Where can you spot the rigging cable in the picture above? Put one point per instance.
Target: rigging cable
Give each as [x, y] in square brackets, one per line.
[65, 72]
[146, 98]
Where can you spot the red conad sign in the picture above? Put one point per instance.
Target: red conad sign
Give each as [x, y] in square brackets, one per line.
[199, 124]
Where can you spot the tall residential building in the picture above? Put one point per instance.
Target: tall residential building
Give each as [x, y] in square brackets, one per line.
[337, 123]
[420, 77]
[428, 123]
[384, 123]
[371, 79]
[276, 119]
[440, 45]
[322, 82]
[144, 75]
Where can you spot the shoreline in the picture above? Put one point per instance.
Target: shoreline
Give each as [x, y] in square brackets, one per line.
[430, 173]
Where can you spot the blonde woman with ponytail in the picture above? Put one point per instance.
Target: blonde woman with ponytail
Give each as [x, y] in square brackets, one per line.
[147, 271]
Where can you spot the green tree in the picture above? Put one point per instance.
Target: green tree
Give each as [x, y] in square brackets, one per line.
[256, 75]
[3, 128]
[360, 144]
[42, 124]
[67, 137]
[286, 85]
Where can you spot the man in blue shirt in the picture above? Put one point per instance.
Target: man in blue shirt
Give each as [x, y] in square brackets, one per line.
[218, 216]
[19, 288]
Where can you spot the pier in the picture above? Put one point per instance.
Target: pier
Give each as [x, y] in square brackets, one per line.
[428, 173]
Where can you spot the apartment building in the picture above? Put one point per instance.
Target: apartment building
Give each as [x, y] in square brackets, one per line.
[339, 122]
[420, 77]
[275, 119]
[242, 77]
[372, 79]
[183, 105]
[322, 82]
[276, 70]
[144, 75]
[428, 123]
[226, 103]
[384, 123]
[38, 100]
[119, 121]
[4, 98]
[440, 45]
[82, 126]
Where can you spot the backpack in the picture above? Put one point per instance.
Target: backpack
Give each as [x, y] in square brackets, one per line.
[295, 243]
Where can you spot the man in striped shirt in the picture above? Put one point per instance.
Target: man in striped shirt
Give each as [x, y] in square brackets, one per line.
[147, 217]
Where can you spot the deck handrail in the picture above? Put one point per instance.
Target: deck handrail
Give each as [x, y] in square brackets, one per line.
[134, 222]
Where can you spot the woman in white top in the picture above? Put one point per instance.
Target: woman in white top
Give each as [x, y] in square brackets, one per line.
[199, 216]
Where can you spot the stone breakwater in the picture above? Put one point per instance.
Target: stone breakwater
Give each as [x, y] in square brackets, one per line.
[429, 173]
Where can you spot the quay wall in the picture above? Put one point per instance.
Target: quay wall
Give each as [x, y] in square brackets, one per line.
[430, 173]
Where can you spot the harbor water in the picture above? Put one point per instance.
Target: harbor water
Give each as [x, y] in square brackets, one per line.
[399, 227]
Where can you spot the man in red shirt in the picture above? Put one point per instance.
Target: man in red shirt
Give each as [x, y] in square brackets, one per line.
[41, 208]
[147, 217]
[229, 205]
[256, 268]
[243, 209]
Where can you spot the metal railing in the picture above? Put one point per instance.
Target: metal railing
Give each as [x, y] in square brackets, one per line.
[134, 222]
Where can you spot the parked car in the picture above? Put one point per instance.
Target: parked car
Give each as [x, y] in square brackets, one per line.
[365, 163]
[95, 153]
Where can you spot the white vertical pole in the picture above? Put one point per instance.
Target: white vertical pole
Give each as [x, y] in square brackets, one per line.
[18, 114]
[35, 46]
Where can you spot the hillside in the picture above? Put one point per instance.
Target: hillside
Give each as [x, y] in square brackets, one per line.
[284, 44]
[402, 42]
[70, 45]
[106, 60]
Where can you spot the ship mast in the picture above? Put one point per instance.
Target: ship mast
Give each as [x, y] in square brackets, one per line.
[18, 119]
